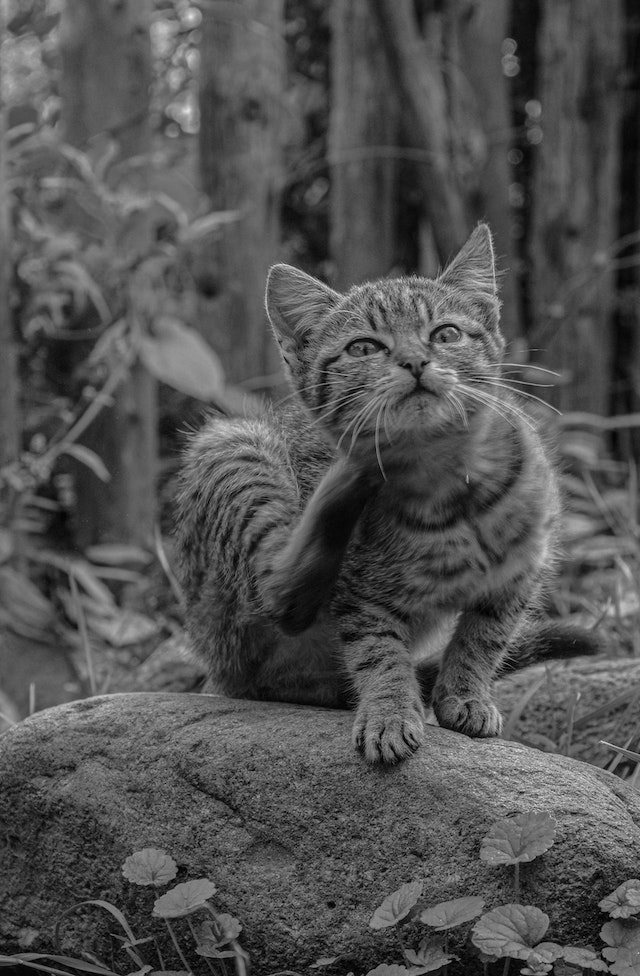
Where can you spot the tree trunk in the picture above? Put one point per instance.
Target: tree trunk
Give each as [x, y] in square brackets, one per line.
[241, 133]
[106, 75]
[363, 135]
[9, 422]
[420, 87]
[481, 37]
[627, 359]
[575, 196]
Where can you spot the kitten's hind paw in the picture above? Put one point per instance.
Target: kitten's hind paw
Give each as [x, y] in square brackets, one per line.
[476, 717]
[387, 738]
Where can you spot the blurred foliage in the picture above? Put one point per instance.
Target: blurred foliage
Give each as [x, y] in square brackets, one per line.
[102, 257]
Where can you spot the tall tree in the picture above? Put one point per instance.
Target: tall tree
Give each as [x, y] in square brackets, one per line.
[363, 135]
[106, 76]
[241, 135]
[9, 429]
[482, 33]
[575, 195]
[419, 82]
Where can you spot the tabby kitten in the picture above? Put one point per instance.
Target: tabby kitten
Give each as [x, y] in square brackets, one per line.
[402, 505]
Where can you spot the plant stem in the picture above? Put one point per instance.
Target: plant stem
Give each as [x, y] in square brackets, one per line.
[197, 942]
[162, 965]
[507, 963]
[177, 945]
[516, 880]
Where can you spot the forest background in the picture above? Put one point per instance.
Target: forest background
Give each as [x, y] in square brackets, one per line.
[159, 155]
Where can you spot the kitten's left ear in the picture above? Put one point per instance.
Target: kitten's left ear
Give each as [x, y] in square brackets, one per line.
[473, 271]
[295, 303]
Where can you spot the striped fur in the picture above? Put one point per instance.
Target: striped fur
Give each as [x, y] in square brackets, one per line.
[401, 506]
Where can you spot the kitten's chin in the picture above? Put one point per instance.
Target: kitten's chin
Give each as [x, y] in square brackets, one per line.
[428, 414]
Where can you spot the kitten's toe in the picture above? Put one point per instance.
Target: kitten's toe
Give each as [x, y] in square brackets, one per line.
[387, 738]
[475, 717]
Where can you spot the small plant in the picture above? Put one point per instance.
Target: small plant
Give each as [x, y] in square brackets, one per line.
[215, 938]
[432, 953]
[512, 932]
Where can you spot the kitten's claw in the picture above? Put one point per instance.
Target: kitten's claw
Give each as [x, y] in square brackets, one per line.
[390, 738]
[475, 717]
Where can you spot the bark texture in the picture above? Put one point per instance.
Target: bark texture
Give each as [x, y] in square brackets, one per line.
[420, 86]
[106, 74]
[9, 422]
[363, 137]
[484, 84]
[575, 196]
[241, 133]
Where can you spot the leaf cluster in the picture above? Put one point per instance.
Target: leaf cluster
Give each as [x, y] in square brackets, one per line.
[513, 931]
[215, 938]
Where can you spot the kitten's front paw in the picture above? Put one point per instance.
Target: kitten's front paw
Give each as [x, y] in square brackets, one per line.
[475, 717]
[387, 737]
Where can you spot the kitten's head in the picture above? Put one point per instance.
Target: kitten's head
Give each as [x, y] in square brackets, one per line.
[391, 356]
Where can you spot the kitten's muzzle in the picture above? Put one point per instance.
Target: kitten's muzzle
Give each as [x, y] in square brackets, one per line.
[415, 364]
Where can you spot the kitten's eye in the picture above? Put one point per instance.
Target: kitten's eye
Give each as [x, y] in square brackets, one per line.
[364, 347]
[446, 333]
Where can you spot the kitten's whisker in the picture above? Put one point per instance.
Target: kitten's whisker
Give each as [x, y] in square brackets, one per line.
[355, 425]
[525, 366]
[377, 441]
[510, 375]
[504, 385]
[313, 388]
[507, 404]
[505, 410]
[385, 417]
[458, 407]
[510, 407]
[343, 401]
[364, 415]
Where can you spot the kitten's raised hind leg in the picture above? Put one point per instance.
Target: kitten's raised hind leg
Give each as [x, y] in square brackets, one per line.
[303, 574]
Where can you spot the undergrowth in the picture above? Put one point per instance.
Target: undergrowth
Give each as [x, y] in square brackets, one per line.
[505, 936]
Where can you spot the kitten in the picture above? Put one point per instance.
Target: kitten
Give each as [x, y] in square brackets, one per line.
[401, 505]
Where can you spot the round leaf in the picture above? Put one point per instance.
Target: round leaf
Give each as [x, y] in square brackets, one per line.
[184, 899]
[396, 905]
[624, 901]
[150, 867]
[619, 934]
[517, 839]
[584, 957]
[448, 914]
[429, 956]
[393, 970]
[511, 930]
[179, 356]
[536, 966]
[623, 961]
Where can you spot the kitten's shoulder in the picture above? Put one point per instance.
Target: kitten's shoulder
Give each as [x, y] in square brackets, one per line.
[277, 429]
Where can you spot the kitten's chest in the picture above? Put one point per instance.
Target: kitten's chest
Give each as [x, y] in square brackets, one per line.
[454, 551]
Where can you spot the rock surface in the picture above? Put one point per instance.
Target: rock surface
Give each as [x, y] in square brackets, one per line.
[301, 838]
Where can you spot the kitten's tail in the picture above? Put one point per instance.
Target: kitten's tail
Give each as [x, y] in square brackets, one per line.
[549, 640]
[543, 641]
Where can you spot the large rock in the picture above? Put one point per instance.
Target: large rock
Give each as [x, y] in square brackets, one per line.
[301, 838]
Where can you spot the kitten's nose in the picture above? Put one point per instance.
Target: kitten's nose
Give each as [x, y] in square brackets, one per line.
[415, 365]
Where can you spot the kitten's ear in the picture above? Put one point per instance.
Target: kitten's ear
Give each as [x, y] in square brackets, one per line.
[473, 271]
[295, 303]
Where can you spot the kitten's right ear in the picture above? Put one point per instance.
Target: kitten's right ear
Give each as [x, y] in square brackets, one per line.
[295, 303]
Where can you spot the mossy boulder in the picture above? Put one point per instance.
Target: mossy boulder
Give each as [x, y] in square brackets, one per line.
[301, 838]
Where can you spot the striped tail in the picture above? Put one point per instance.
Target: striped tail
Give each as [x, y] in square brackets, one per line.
[546, 641]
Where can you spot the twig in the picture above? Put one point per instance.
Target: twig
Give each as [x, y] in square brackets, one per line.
[84, 633]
